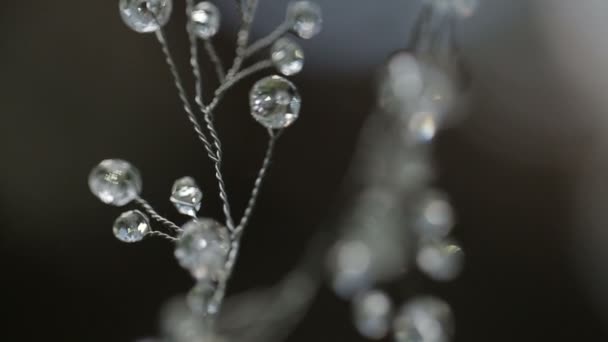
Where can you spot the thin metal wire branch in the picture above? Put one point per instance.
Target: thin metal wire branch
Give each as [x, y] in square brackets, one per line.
[268, 40]
[258, 183]
[215, 59]
[183, 95]
[156, 216]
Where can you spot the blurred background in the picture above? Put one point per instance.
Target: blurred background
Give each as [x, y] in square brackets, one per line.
[526, 170]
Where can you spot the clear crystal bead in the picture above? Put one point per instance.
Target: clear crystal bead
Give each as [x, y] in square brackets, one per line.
[441, 260]
[372, 313]
[306, 18]
[145, 15]
[435, 217]
[201, 298]
[115, 182]
[202, 248]
[131, 226]
[424, 319]
[287, 56]
[205, 18]
[275, 102]
[186, 196]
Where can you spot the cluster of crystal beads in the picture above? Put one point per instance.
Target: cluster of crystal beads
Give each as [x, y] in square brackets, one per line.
[205, 19]
[186, 196]
[275, 102]
[115, 182]
[424, 319]
[287, 56]
[372, 314]
[145, 15]
[305, 17]
[131, 226]
[202, 248]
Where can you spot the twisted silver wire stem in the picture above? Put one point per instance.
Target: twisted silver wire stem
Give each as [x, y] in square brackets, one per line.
[182, 93]
[156, 216]
[215, 59]
[162, 235]
[269, 39]
[243, 36]
[215, 155]
[258, 183]
[232, 81]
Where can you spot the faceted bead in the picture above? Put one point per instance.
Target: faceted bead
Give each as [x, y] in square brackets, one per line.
[442, 260]
[372, 313]
[186, 196]
[275, 102]
[305, 17]
[435, 217]
[131, 226]
[424, 319]
[201, 299]
[205, 20]
[115, 182]
[202, 248]
[287, 56]
[145, 15]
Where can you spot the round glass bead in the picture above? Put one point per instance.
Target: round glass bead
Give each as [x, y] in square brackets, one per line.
[205, 18]
[275, 102]
[186, 196]
[424, 319]
[202, 248]
[115, 182]
[442, 260]
[145, 15]
[131, 226]
[372, 313]
[287, 56]
[305, 16]
[435, 217]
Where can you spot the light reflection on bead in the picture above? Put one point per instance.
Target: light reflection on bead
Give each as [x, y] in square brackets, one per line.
[205, 20]
[186, 196]
[115, 182]
[441, 260]
[372, 313]
[287, 56]
[145, 15]
[435, 217]
[202, 248]
[131, 226]
[275, 102]
[424, 319]
[306, 18]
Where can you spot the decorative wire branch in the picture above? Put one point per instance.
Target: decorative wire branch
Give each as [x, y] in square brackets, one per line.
[273, 136]
[156, 216]
[269, 39]
[204, 246]
[215, 59]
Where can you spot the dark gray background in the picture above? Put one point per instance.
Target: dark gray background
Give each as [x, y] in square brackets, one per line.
[525, 170]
